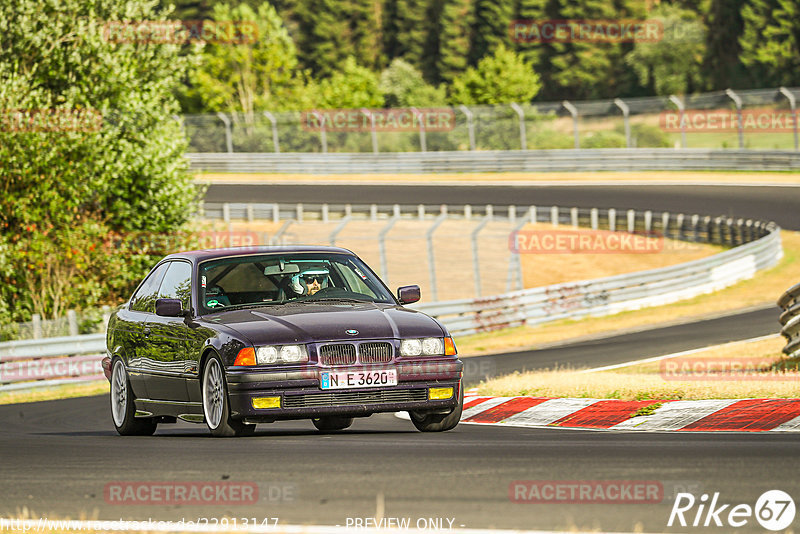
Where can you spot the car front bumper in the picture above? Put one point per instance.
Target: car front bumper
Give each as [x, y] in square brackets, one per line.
[302, 398]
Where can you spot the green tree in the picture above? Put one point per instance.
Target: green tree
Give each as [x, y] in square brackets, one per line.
[449, 38]
[352, 87]
[402, 86]
[490, 27]
[671, 65]
[404, 29]
[258, 75]
[498, 79]
[770, 41]
[722, 66]
[87, 142]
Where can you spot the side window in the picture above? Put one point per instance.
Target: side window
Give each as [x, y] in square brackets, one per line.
[145, 298]
[177, 283]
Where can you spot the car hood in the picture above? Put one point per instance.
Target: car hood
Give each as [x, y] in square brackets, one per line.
[305, 323]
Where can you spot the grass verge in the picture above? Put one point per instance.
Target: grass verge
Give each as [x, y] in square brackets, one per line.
[763, 289]
[66, 391]
[738, 370]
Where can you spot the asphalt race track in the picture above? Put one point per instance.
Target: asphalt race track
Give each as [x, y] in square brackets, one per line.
[66, 454]
[777, 204]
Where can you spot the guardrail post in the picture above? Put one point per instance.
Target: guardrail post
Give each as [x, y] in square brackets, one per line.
[382, 249]
[36, 319]
[512, 214]
[740, 231]
[476, 266]
[276, 212]
[299, 212]
[272, 120]
[792, 105]
[533, 214]
[226, 212]
[729, 231]
[707, 227]
[574, 112]
[348, 210]
[523, 141]
[631, 221]
[573, 215]
[250, 213]
[396, 210]
[489, 211]
[612, 220]
[228, 134]
[554, 216]
[431, 258]
[324, 214]
[738, 101]
[468, 212]
[648, 221]
[470, 125]
[373, 132]
[682, 109]
[626, 119]
[515, 259]
[339, 228]
[679, 224]
[421, 212]
[593, 218]
[665, 224]
[373, 212]
[695, 229]
[423, 146]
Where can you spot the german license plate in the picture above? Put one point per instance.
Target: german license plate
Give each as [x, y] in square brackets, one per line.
[357, 379]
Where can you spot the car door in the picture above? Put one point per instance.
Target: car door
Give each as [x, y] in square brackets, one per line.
[130, 329]
[166, 338]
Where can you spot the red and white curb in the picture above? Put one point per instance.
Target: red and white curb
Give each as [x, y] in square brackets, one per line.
[724, 415]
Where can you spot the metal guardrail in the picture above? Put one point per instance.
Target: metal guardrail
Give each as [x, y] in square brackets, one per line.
[605, 296]
[610, 159]
[790, 320]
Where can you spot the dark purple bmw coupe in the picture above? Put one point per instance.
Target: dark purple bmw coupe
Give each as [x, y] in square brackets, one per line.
[235, 337]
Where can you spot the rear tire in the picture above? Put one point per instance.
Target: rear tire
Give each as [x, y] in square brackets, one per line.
[123, 409]
[216, 407]
[439, 422]
[332, 423]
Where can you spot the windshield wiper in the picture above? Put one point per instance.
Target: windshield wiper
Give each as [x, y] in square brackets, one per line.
[250, 305]
[337, 299]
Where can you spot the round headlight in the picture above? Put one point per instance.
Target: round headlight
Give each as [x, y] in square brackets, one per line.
[432, 346]
[267, 355]
[292, 353]
[411, 347]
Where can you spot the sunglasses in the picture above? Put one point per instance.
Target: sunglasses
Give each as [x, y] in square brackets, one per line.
[314, 278]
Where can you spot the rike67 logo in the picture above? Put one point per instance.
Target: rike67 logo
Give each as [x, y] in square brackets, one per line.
[774, 510]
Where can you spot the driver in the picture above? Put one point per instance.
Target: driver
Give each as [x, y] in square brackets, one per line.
[310, 281]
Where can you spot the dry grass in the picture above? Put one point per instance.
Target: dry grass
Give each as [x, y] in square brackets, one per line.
[65, 391]
[654, 381]
[763, 289]
[743, 177]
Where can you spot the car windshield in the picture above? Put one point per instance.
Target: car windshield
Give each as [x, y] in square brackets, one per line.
[229, 283]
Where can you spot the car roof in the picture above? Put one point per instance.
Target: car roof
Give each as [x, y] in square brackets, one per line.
[209, 254]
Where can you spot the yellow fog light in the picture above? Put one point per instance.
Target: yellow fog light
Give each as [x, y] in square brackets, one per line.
[266, 402]
[440, 393]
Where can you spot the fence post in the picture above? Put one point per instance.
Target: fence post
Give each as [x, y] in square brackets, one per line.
[339, 228]
[738, 101]
[515, 260]
[373, 212]
[421, 212]
[323, 135]
[228, 134]
[470, 125]
[665, 224]
[396, 210]
[679, 225]
[792, 105]
[612, 220]
[226, 212]
[631, 221]
[276, 212]
[626, 119]
[373, 132]
[574, 112]
[523, 141]
[476, 265]
[593, 218]
[431, 258]
[272, 120]
[512, 214]
[325, 213]
[382, 248]
[250, 212]
[682, 109]
[573, 215]
[37, 326]
[468, 212]
[648, 221]
[554, 215]
[72, 322]
[489, 211]
[422, 143]
[348, 210]
[299, 212]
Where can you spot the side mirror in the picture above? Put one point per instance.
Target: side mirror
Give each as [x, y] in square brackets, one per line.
[408, 294]
[169, 308]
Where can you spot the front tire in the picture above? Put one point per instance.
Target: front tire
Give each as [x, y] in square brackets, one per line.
[123, 408]
[216, 407]
[439, 422]
[332, 423]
